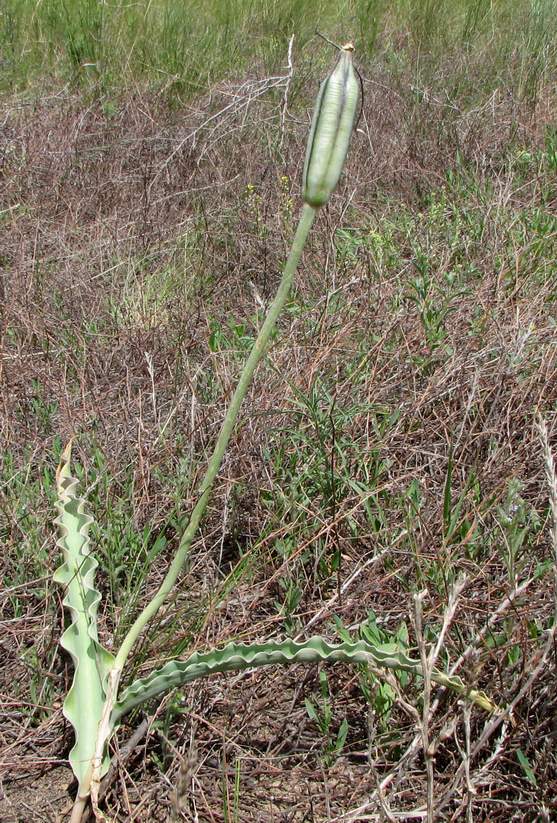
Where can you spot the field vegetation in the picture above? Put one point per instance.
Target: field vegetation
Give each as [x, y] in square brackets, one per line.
[392, 442]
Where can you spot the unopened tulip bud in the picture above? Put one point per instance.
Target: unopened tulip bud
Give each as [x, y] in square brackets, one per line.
[331, 129]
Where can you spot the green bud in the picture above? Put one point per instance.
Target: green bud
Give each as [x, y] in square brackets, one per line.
[331, 129]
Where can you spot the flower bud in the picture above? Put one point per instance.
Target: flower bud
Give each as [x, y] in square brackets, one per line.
[331, 129]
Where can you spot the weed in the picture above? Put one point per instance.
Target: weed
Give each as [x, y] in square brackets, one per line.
[321, 712]
[379, 694]
[518, 525]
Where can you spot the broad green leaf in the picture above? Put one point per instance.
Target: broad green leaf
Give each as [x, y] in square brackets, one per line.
[237, 656]
[85, 700]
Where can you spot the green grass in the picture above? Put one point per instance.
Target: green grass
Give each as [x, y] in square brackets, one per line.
[186, 47]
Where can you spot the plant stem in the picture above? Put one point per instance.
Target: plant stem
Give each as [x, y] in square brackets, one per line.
[259, 347]
[78, 809]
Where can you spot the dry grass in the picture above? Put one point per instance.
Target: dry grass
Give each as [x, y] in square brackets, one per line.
[127, 247]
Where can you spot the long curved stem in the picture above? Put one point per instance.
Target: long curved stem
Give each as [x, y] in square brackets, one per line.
[259, 347]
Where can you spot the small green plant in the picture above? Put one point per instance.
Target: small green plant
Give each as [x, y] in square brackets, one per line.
[321, 713]
[95, 703]
[292, 595]
[379, 694]
[518, 523]
[163, 726]
[432, 312]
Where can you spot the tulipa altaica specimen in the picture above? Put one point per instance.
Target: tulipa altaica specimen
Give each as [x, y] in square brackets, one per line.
[94, 704]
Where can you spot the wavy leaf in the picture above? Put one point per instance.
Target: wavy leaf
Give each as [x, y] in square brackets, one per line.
[237, 656]
[84, 702]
